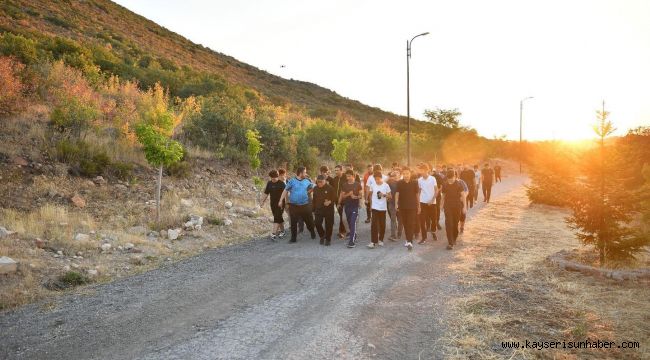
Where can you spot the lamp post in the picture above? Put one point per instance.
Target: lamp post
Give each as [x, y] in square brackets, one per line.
[408, 99]
[521, 117]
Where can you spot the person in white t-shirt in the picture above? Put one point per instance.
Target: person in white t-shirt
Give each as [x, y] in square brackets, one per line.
[380, 194]
[428, 191]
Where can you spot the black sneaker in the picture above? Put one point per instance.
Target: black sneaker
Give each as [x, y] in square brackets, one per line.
[367, 221]
[449, 247]
[327, 242]
[351, 244]
[313, 235]
[292, 241]
[322, 241]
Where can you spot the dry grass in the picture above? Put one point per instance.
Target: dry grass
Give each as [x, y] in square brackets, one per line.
[515, 295]
[53, 223]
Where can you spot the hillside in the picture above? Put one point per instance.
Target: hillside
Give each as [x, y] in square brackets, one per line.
[110, 25]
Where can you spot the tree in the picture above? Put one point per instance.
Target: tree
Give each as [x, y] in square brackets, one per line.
[253, 150]
[154, 132]
[442, 117]
[340, 150]
[602, 207]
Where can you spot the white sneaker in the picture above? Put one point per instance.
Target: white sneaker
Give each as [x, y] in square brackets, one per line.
[406, 244]
[371, 246]
[381, 243]
[409, 246]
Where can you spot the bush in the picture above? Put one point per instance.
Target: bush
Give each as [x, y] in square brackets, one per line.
[73, 278]
[73, 117]
[11, 86]
[90, 161]
[181, 169]
[18, 46]
[120, 170]
[94, 165]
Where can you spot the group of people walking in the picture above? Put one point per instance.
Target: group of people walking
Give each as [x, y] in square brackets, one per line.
[412, 199]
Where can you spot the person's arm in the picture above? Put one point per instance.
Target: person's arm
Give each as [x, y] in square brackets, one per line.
[264, 199]
[396, 200]
[283, 197]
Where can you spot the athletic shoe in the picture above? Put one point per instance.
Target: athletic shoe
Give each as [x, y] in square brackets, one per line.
[273, 237]
[367, 221]
[371, 246]
[322, 241]
[392, 238]
[435, 237]
[313, 235]
[381, 243]
[282, 234]
[327, 242]
[341, 236]
[406, 243]
[292, 241]
[449, 247]
[409, 246]
[421, 242]
[351, 245]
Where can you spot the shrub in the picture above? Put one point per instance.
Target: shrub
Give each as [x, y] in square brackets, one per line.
[73, 278]
[120, 170]
[94, 165]
[18, 46]
[181, 169]
[73, 116]
[11, 86]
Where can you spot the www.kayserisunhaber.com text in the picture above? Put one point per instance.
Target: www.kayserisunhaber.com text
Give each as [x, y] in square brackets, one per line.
[585, 344]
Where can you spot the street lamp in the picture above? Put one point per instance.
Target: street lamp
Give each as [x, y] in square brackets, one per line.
[521, 116]
[408, 99]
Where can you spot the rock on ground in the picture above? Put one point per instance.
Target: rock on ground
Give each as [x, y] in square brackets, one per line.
[8, 265]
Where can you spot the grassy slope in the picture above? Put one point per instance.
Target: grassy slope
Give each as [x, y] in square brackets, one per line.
[82, 20]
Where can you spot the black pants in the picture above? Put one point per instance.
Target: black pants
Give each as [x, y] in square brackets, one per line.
[409, 217]
[341, 212]
[469, 202]
[368, 211]
[427, 213]
[301, 212]
[326, 214]
[487, 191]
[436, 213]
[452, 217]
[378, 226]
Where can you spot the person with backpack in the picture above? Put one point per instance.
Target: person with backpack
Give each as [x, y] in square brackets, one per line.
[453, 198]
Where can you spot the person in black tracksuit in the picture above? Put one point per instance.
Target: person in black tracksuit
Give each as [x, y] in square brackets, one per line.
[324, 198]
[453, 197]
[336, 182]
[487, 174]
[469, 177]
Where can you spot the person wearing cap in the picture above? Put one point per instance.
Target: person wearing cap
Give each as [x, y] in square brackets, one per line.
[324, 198]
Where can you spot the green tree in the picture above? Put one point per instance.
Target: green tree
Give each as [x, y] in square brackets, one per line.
[74, 117]
[340, 150]
[443, 117]
[253, 151]
[602, 207]
[154, 132]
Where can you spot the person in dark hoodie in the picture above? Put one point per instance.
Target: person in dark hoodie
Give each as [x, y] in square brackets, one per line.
[324, 198]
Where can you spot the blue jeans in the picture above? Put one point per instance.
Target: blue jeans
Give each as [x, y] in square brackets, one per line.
[351, 213]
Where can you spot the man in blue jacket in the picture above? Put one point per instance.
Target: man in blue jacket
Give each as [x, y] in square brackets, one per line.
[297, 191]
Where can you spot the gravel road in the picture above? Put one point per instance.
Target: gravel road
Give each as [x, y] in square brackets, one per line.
[257, 300]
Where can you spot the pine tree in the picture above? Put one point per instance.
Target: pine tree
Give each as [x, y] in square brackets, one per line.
[601, 207]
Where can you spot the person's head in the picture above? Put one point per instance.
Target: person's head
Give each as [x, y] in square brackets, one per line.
[338, 170]
[395, 165]
[377, 167]
[444, 168]
[282, 173]
[347, 167]
[423, 169]
[349, 175]
[324, 170]
[273, 174]
[379, 178]
[451, 176]
[486, 165]
[475, 167]
[321, 180]
[369, 168]
[406, 173]
[301, 172]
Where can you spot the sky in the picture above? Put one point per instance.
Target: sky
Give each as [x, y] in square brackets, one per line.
[481, 57]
